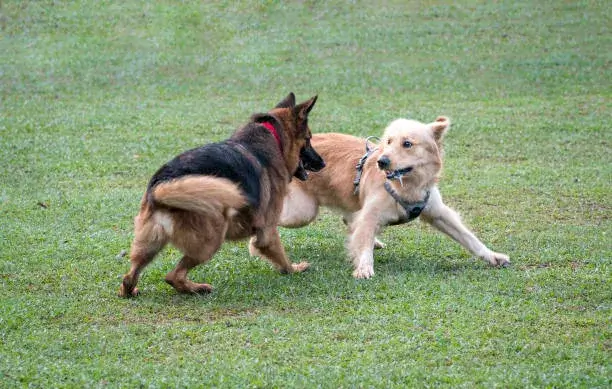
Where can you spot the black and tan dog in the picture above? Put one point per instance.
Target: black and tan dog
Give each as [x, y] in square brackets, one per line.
[397, 182]
[228, 190]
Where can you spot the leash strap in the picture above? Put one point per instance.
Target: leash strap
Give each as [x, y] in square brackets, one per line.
[413, 210]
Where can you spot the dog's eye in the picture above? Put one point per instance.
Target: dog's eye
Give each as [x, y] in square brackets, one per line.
[388, 141]
[407, 144]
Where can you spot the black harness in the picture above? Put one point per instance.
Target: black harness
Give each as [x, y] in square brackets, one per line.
[413, 210]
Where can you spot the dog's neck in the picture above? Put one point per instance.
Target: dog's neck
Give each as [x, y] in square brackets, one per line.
[412, 187]
[271, 128]
[413, 209]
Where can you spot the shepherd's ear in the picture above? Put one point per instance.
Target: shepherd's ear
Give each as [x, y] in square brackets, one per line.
[288, 102]
[263, 117]
[305, 108]
[439, 127]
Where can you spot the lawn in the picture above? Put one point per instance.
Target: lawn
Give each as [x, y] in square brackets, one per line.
[96, 95]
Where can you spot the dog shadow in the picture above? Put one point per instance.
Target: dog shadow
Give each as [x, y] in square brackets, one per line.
[248, 283]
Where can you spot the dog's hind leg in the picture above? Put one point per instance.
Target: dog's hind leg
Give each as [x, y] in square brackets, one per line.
[149, 239]
[267, 243]
[443, 218]
[178, 276]
[196, 250]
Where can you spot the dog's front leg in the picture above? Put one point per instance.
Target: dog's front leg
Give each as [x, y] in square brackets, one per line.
[448, 221]
[347, 219]
[267, 243]
[362, 239]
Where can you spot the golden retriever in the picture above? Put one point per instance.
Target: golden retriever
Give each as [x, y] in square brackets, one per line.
[397, 183]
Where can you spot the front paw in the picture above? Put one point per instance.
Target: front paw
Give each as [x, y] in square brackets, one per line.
[363, 272]
[300, 267]
[497, 259]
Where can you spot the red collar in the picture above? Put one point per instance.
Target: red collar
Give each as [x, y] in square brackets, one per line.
[271, 128]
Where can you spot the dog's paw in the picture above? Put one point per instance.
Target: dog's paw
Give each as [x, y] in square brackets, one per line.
[363, 272]
[201, 289]
[185, 286]
[378, 244]
[125, 294]
[128, 287]
[253, 250]
[497, 259]
[300, 267]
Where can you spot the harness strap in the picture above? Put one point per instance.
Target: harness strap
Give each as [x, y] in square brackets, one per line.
[413, 210]
[361, 163]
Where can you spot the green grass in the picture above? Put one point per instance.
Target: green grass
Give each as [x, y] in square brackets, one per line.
[96, 95]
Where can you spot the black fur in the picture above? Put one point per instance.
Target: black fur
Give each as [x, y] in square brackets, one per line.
[311, 159]
[226, 159]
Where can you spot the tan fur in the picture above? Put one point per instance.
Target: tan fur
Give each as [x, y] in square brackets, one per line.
[197, 213]
[203, 194]
[373, 208]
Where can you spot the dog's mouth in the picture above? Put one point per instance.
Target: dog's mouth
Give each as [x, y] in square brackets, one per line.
[310, 160]
[397, 174]
[300, 173]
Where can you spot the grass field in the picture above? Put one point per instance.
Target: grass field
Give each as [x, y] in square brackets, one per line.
[96, 95]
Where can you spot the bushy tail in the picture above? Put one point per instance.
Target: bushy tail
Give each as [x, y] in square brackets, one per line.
[201, 194]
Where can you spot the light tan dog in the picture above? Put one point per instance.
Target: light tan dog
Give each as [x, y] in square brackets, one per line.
[398, 183]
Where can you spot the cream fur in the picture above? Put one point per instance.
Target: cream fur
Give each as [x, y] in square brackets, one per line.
[373, 208]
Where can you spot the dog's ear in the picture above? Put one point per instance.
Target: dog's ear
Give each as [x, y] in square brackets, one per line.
[287, 102]
[304, 109]
[439, 127]
[263, 117]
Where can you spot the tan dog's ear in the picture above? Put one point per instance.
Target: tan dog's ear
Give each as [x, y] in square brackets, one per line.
[439, 127]
[304, 109]
[288, 102]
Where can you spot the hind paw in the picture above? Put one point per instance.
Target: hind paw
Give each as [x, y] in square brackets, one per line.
[126, 294]
[128, 287]
[201, 289]
[378, 244]
[188, 287]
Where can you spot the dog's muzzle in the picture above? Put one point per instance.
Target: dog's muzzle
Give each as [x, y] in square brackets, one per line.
[384, 163]
[397, 174]
[310, 160]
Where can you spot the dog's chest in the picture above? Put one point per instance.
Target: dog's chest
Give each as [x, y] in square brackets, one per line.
[405, 211]
[400, 216]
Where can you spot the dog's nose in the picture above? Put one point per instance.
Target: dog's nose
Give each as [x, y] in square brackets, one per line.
[384, 162]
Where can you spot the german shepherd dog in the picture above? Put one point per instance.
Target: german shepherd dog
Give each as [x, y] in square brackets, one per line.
[394, 183]
[228, 190]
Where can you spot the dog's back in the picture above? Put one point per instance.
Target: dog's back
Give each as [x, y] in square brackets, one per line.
[332, 186]
[224, 160]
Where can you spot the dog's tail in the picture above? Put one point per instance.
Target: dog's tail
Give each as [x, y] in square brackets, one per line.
[201, 194]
